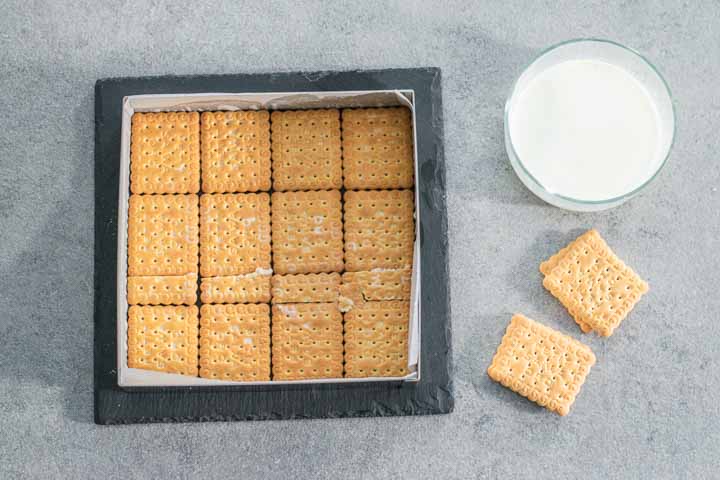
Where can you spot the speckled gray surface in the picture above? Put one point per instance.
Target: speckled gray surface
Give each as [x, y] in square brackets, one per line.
[650, 406]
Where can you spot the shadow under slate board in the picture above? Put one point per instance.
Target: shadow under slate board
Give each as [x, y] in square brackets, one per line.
[431, 395]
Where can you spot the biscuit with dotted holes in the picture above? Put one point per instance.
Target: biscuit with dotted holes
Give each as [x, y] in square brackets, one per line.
[235, 151]
[376, 339]
[307, 341]
[234, 233]
[235, 342]
[307, 232]
[165, 152]
[165, 290]
[541, 364]
[248, 288]
[377, 148]
[375, 285]
[595, 286]
[163, 338]
[380, 284]
[379, 229]
[305, 288]
[306, 150]
[547, 266]
[162, 235]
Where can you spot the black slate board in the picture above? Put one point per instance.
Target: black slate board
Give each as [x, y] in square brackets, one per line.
[432, 394]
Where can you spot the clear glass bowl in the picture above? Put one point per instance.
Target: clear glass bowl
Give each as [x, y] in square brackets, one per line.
[615, 54]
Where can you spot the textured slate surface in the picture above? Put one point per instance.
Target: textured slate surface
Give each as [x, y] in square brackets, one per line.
[432, 394]
[649, 408]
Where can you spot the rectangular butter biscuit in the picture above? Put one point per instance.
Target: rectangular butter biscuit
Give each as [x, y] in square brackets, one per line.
[547, 266]
[164, 290]
[305, 288]
[541, 364]
[377, 148]
[380, 284]
[306, 150]
[165, 152]
[307, 232]
[376, 339]
[162, 235]
[163, 338]
[235, 151]
[596, 287]
[307, 341]
[234, 233]
[379, 229]
[248, 288]
[235, 342]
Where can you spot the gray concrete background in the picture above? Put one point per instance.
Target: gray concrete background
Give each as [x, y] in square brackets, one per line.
[649, 408]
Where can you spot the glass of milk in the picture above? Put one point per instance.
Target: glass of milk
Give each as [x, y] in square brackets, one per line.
[589, 124]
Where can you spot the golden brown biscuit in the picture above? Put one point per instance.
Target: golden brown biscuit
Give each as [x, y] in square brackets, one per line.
[547, 266]
[305, 288]
[165, 152]
[307, 341]
[596, 287]
[376, 339]
[377, 148]
[307, 232]
[162, 235]
[235, 342]
[235, 151]
[379, 229]
[541, 364]
[234, 233]
[166, 290]
[380, 284]
[164, 339]
[306, 150]
[248, 288]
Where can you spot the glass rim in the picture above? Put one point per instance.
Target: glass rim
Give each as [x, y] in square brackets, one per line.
[519, 161]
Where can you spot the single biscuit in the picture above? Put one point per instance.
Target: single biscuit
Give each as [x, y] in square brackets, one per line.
[541, 364]
[249, 288]
[376, 340]
[235, 342]
[165, 152]
[305, 288]
[235, 151]
[380, 284]
[377, 148]
[234, 233]
[165, 290]
[379, 229]
[307, 232]
[596, 287]
[163, 339]
[306, 150]
[547, 266]
[307, 341]
[162, 235]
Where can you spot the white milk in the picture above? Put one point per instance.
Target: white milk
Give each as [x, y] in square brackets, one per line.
[586, 129]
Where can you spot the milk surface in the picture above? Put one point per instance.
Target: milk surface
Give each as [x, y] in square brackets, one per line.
[586, 129]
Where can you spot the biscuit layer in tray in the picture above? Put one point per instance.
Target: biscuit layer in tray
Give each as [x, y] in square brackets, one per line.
[303, 234]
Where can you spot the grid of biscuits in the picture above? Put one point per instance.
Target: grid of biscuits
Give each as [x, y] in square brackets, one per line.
[297, 228]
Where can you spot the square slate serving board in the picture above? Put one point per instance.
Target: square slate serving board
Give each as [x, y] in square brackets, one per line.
[432, 394]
